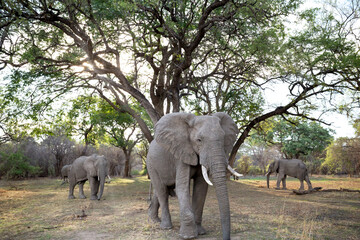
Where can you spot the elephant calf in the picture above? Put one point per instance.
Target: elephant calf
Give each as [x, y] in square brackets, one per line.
[93, 168]
[65, 170]
[292, 167]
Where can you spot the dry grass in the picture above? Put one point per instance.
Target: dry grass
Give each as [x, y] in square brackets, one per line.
[39, 209]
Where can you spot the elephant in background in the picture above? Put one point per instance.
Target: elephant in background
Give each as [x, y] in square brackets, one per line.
[289, 167]
[186, 147]
[65, 170]
[93, 168]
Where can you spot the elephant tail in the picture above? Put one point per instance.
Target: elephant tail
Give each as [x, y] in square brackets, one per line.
[150, 191]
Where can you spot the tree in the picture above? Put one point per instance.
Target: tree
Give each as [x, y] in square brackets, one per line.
[97, 122]
[300, 140]
[119, 130]
[172, 38]
[61, 147]
[343, 156]
[178, 50]
[297, 139]
[81, 121]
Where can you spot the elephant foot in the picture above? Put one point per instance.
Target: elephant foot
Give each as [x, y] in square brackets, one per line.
[165, 225]
[277, 188]
[93, 197]
[153, 214]
[82, 197]
[155, 219]
[71, 197]
[284, 188]
[200, 230]
[188, 232]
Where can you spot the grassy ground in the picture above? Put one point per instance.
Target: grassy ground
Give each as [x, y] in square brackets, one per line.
[39, 209]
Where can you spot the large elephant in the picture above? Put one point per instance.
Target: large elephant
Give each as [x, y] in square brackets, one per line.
[289, 167]
[93, 168]
[65, 170]
[186, 147]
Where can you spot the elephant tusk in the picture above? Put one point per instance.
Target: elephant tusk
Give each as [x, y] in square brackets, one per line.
[233, 172]
[205, 175]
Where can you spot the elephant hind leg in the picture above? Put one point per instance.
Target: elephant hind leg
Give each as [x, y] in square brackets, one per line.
[279, 179]
[301, 185]
[161, 198]
[284, 182]
[308, 182]
[154, 209]
[71, 190]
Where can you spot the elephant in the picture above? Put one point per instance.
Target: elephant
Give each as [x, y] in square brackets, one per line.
[93, 168]
[65, 172]
[186, 147]
[292, 167]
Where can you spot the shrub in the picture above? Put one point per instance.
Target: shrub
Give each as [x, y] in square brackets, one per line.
[134, 172]
[255, 170]
[16, 166]
[143, 172]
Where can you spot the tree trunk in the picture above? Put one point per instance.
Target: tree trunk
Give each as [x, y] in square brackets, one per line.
[127, 171]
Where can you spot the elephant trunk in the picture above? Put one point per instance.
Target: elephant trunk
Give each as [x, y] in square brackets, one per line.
[267, 178]
[218, 173]
[101, 177]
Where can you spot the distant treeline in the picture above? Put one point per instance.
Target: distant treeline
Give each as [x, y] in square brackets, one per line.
[29, 158]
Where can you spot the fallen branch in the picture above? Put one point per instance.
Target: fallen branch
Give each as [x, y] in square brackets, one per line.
[319, 189]
[340, 190]
[48, 228]
[302, 192]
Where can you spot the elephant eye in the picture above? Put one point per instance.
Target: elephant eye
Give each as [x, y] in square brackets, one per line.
[198, 140]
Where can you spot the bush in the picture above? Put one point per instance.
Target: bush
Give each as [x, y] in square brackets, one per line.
[143, 172]
[16, 166]
[134, 172]
[255, 170]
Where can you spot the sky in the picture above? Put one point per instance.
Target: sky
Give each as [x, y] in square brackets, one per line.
[277, 96]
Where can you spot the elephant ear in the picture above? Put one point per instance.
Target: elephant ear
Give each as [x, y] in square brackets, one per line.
[230, 129]
[172, 133]
[89, 166]
[276, 166]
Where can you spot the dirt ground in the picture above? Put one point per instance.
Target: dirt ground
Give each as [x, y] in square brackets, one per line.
[39, 209]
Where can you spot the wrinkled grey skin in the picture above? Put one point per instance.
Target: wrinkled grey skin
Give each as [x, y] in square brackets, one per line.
[65, 170]
[289, 167]
[183, 142]
[93, 168]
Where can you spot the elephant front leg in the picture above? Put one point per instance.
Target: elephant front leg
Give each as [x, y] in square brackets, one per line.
[198, 201]
[188, 228]
[94, 186]
[81, 190]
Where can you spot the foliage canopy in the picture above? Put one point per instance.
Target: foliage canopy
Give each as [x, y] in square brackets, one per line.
[167, 55]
